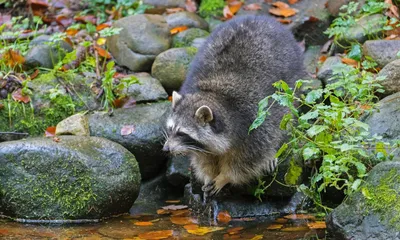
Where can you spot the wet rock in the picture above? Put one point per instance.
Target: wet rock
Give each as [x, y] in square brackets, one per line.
[77, 125]
[186, 38]
[171, 66]
[12, 136]
[188, 19]
[311, 58]
[213, 23]
[146, 139]
[374, 214]
[198, 42]
[68, 179]
[148, 90]
[326, 70]
[45, 53]
[382, 51]
[391, 72]
[178, 171]
[143, 37]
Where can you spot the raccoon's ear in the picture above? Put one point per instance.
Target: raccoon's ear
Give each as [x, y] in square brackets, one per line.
[175, 98]
[204, 114]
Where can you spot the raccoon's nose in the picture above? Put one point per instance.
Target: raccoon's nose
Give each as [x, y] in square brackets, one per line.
[166, 148]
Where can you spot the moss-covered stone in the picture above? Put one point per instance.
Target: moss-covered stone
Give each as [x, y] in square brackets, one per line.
[185, 38]
[74, 178]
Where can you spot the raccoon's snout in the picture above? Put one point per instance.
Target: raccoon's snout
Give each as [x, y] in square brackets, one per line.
[166, 147]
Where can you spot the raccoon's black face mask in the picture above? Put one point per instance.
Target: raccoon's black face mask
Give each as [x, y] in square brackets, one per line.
[191, 128]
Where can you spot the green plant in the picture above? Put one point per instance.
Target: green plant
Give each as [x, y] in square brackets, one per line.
[211, 8]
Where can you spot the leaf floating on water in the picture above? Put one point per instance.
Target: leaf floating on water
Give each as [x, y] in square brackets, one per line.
[127, 130]
[173, 201]
[257, 237]
[281, 220]
[317, 225]
[200, 231]
[299, 216]
[224, 217]
[182, 220]
[178, 29]
[274, 227]
[235, 230]
[163, 212]
[174, 207]
[153, 235]
[295, 229]
[143, 223]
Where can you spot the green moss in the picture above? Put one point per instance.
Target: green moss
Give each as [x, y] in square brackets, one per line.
[191, 51]
[210, 8]
[384, 198]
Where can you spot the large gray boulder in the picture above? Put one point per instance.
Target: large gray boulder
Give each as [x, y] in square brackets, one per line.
[70, 178]
[145, 137]
[142, 38]
[382, 51]
[374, 212]
[188, 19]
[391, 72]
[148, 89]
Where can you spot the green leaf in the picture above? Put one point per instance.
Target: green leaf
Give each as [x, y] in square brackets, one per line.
[361, 169]
[380, 148]
[355, 52]
[286, 118]
[366, 193]
[356, 184]
[293, 174]
[361, 125]
[308, 152]
[313, 95]
[258, 121]
[346, 147]
[281, 150]
[310, 115]
[315, 129]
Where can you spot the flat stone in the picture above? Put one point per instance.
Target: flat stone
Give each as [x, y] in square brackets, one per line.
[77, 125]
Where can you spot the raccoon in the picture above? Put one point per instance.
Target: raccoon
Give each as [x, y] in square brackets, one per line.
[233, 70]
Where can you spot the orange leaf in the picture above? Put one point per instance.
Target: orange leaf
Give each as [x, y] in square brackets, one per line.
[19, 97]
[284, 21]
[299, 216]
[64, 20]
[280, 5]
[13, 58]
[293, 1]
[234, 230]
[50, 132]
[178, 29]
[191, 6]
[102, 26]
[224, 217]
[157, 234]
[200, 231]
[317, 225]
[350, 62]
[143, 224]
[182, 220]
[71, 32]
[234, 6]
[227, 12]
[295, 229]
[322, 58]
[181, 212]
[274, 227]
[174, 10]
[172, 201]
[284, 12]
[163, 212]
[253, 7]
[102, 52]
[34, 74]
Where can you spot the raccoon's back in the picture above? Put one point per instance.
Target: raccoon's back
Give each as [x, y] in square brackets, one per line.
[243, 57]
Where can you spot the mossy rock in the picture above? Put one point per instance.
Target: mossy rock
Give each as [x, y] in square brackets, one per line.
[373, 212]
[185, 38]
[211, 8]
[73, 178]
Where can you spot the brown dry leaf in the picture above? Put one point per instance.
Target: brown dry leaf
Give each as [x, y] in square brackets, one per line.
[299, 216]
[1, 106]
[125, 102]
[156, 234]
[350, 62]
[182, 220]
[190, 6]
[293, 1]
[234, 230]
[224, 217]
[34, 74]
[322, 58]
[19, 97]
[13, 58]
[295, 229]
[63, 20]
[284, 21]
[174, 10]
[50, 132]
[317, 225]
[393, 10]
[252, 7]
[257, 237]
[281, 220]
[234, 6]
[280, 4]
[71, 32]
[163, 212]
[173, 201]
[178, 29]
[102, 52]
[175, 207]
[282, 9]
[86, 19]
[227, 12]
[200, 231]
[365, 107]
[274, 227]
[143, 224]
[181, 212]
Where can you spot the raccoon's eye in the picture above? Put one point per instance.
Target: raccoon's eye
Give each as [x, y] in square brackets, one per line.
[181, 134]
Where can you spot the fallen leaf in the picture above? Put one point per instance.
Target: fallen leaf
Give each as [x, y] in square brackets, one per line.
[224, 217]
[317, 225]
[19, 97]
[299, 216]
[252, 7]
[295, 229]
[182, 220]
[50, 131]
[174, 10]
[71, 32]
[350, 62]
[284, 21]
[257, 237]
[280, 4]
[235, 230]
[64, 21]
[190, 6]
[101, 41]
[282, 9]
[227, 12]
[274, 227]
[234, 6]
[156, 234]
[86, 19]
[293, 1]
[34, 74]
[172, 201]
[178, 29]
[228, 237]
[181, 212]
[312, 19]
[143, 224]
[281, 220]
[322, 58]
[163, 212]
[3, 231]
[200, 231]
[13, 58]
[102, 26]
[102, 52]
[127, 130]
[174, 207]
[393, 10]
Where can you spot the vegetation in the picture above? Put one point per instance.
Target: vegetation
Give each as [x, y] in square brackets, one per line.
[211, 8]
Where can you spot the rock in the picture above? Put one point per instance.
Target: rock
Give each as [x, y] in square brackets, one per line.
[146, 139]
[326, 70]
[12, 136]
[188, 19]
[178, 171]
[45, 53]
[171, 66]
[367, 26]
[142, 38]
[74, 178]
[382, 51]
[374, 214]
[391, 72]
[311, 58]
[385, 121]
[77, 125]
[213, 23]
[198, 42]
[148, 90]
[165, 3]
[334, 6]
[186, 38]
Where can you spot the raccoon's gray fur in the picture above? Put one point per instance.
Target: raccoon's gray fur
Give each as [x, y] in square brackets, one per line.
[233, 70]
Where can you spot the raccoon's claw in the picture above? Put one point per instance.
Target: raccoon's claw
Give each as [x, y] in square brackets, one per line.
[272, 165]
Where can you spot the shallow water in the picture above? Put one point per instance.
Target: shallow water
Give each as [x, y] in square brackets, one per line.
[172, 224]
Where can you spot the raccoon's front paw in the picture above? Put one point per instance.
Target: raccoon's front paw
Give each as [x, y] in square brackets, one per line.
[215, 186]
[208, 189]
[272, 165]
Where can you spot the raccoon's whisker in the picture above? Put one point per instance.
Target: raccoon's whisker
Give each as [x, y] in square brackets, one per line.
[197, 149]
[165, 134]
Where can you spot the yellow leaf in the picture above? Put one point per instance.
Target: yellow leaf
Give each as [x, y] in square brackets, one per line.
[200, 231]
[143, 223]
[257, 237]
[101, 41]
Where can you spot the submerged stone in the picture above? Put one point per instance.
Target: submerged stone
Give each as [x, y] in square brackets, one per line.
[73, 178]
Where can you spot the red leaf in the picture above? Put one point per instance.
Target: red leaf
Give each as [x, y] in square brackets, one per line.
[227, 12]
[102, 52]
[127, 130]
[19, 97]
[224, 217]
[252, 7]
[50, 132]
